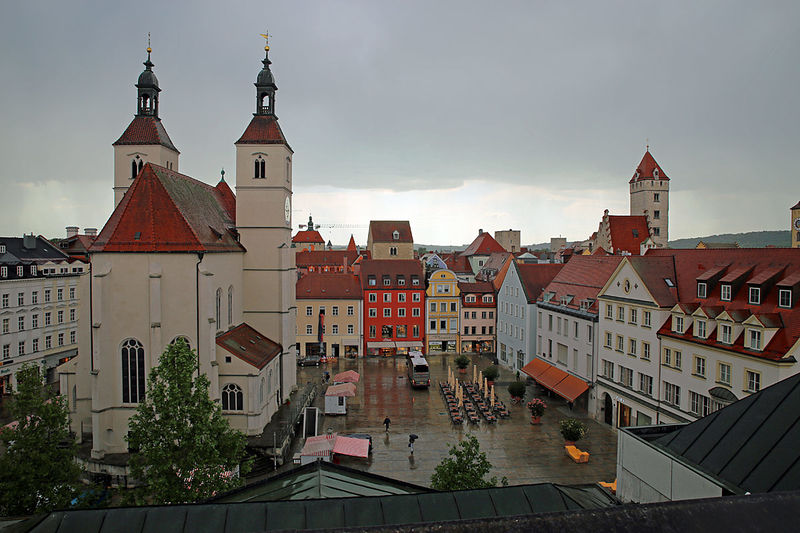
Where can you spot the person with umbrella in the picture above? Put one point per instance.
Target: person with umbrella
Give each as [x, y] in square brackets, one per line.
[411, 439]
[386, 423]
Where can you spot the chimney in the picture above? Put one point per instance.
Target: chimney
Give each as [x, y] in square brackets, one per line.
[480, 232]
[90, 232]
[72, 231]
[29, 241]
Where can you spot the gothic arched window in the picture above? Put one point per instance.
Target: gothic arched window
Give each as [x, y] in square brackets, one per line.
[230, 305]
[232, 398]
[260, 167]
[218, 308]
[183, 338]
[132, 371]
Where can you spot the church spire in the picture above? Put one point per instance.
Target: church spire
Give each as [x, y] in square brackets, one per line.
[147, 88]
[265, 85]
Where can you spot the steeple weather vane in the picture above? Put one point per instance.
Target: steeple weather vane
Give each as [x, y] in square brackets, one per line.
[148, 44]
[266, 36]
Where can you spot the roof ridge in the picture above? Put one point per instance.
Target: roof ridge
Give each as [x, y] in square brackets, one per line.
[178, 209]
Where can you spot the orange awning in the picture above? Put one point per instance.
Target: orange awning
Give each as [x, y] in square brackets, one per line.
[550, 377]
[535, 367]
[351, 446]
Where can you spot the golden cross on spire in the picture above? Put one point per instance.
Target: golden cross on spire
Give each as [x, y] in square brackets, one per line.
[148, 43]
[266, 36]
[647, 144]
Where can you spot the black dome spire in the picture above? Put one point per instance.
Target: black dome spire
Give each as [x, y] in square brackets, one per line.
[148, 89]
[265, 88]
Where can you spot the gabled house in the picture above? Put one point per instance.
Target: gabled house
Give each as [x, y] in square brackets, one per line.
[478, 317]
[390, 239]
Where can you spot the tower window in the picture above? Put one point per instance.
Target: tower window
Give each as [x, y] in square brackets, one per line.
[656, 197]
[656, 232]
[260, 168]
[136, 166]
[264, 102]
[656, 214]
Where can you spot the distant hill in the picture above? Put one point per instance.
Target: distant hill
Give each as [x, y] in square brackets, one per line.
[751, 239]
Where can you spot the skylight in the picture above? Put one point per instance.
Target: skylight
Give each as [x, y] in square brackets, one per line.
[669, 282]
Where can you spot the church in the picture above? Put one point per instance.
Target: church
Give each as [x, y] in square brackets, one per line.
[182, 259]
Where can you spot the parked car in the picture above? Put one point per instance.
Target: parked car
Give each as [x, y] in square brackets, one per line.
[364, 436]
[309, 360]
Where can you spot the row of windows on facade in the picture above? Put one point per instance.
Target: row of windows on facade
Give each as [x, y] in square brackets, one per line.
[510, 309]
[699, 404]
[562, 353]
[133, 379]
[35, 320]
[334, 329]
[372, 312]
[260, 167]
[387, 297]
[511, 330]
[334, 310]
[400, 331]
[5, 300]
[673, 359]
[48, 344]
[563, 326]
[137, 163]
[34, 270]
[504, 355]
[387, 280]
[753, 339]
[633, 315]
[755, 296]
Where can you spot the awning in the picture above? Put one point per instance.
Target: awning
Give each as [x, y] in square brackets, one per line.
[383, 344]
[350, 376]
[351, 446]
[343, 389]
[414, 344]
[350, 342]
[319, 446]
[550, 377]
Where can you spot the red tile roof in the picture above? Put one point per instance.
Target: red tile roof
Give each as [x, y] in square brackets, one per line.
[227, 199]
[164, 211]
[628, 232]
[484, 244]
[322, 258]
[478, 288]
[456, 262]
[249, 345]
[646, 169]
[146, 130]
[654, 270]
[382, 230]
[308, 236]
[351, 246]
[582, 278]
[394, 268]
[263, 129]
[536, 277]
[339, 286]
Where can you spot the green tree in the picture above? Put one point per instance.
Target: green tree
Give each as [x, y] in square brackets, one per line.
[465, 469]
[183, 449]
[38, 471]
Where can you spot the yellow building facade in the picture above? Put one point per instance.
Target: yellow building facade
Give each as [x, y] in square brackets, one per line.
[443, 308]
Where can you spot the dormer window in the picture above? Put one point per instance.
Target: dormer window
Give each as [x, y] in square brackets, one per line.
[260, 167]
[655, 172]
[700, 328]
[677, 325]
[785, 298]
[371, 280]
[755, 296]
[396, 235]
[401, 280]
[725, 333]
[387, 281]
[725, 292]
[2, 248]
[701, 289]
[20, 271]
[487, 299]
[754, 336]
[469, 299]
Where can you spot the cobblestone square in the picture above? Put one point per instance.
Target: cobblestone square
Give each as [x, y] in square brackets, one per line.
[518, 450]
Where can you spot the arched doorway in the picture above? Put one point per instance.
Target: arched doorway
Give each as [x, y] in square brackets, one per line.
[608, 407]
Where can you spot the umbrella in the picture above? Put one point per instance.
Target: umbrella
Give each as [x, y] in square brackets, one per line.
[492, 396]
[474, 373]
[412, 437]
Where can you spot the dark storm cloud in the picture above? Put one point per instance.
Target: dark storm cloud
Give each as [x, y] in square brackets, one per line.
[414, 95]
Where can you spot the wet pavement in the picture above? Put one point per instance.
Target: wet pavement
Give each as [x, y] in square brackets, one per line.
[518, 450]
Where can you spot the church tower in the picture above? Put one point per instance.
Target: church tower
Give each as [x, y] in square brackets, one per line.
[795, 225]
[649, 190]
[264, 222]
[145, 140]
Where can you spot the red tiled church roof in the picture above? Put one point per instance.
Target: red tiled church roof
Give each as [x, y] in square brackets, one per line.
[164, 211]
[263, 129]
[342, 286]
[146, 130]
[351, 246]
[227, 198]
[249, 345]
[309, 236]
[628, 232]
[645, 170]
[484, 244]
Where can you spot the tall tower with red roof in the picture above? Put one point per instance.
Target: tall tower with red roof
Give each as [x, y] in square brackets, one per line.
[144, 140]
[649, 189]
[264, 218]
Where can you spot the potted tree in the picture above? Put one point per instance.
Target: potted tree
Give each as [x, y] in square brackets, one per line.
[491, 374]
[462, 362]
[516, 389]
[537, 408]
[572, 430]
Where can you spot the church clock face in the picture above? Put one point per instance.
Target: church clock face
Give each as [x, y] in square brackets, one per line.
[287, 210]
[797, 223]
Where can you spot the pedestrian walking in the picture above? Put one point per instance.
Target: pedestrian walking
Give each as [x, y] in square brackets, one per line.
[411, 439]
[386, 423]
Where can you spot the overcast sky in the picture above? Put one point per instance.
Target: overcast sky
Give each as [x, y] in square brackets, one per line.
[457, 116]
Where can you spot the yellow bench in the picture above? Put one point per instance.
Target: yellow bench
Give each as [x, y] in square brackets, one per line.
[610, 486]
[577, 455]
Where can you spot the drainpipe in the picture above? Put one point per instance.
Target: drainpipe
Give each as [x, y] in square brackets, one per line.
[91, 319]
[197, 305]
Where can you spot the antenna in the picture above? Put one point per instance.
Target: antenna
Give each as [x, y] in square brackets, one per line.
[266, 36]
